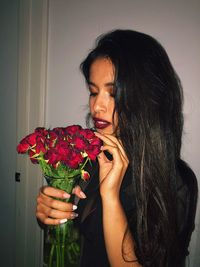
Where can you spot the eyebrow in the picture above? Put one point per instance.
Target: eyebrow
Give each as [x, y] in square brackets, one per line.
[106, 84]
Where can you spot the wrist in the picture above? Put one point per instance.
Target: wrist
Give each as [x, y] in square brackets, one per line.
[110, 198]
[109, 192]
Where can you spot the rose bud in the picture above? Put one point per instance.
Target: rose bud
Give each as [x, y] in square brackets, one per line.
[85, 175]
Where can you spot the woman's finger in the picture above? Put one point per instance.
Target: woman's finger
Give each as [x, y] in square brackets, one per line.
[54, 192]
[46, 220]
[53, 213]
[105, 138]
[57, 193]
[114, 151]
[113, 142]
[119, 144]
[78, 192]
[54, 203]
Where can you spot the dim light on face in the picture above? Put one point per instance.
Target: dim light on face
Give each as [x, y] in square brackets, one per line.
[102, 101]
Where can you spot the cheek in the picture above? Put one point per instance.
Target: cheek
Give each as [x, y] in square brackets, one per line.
[111, 107]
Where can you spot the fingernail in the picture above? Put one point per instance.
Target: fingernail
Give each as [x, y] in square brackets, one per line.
[66, 195]
[74, 207]
[74, 215]
[63, 221]
[82, 194]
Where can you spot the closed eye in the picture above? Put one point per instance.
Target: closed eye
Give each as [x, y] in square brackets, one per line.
[93, 93]
[92, 90]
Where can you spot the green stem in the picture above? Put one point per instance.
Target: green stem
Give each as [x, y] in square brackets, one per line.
[57, 246]
[51, 255]
[85, 163]
[63, 255]
[62, 235]
[63, 244]
[57, 255]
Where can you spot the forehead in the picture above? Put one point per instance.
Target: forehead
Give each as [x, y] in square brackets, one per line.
[103, 69]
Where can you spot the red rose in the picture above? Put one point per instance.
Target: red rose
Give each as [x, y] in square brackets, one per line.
[23, 147]
[92, 151]
[73, 129]
[87, 133]
[74, 160]
[52, 156]
[67, 146]
[43, 131]
[52, 137]
[95, 141]
[31, 155]
[59, 131]
[40, 147]
[26, 143]
[31, 138]
[63, 150]
[79, 142]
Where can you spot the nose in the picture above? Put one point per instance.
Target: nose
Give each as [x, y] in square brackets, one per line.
[100, 104]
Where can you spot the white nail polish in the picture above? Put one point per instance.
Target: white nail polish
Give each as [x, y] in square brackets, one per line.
[82, 194]
[63, 221]
[66, 195]
[74, 215]
[74, 207]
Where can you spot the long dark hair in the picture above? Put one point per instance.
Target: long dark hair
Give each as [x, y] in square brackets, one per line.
[148, 101]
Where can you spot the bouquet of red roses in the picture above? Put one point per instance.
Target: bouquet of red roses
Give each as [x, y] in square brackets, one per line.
[62, 153]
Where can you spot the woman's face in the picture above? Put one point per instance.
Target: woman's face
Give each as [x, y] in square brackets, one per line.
[101, 101]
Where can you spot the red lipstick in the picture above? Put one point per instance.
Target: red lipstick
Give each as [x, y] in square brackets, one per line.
[100, 123]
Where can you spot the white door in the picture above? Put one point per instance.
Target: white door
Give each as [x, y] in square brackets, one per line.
[8, 106]
[32, 46]
[23, 47]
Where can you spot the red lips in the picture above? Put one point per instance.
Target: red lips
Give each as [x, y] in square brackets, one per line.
[100, 123]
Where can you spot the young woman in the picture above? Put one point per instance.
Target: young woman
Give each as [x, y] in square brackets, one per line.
[139, 206]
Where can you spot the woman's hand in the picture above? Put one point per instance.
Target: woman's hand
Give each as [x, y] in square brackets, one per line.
[114, 218]
[111, 172]
[52, 211]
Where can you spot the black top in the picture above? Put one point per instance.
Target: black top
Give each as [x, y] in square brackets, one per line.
[90, 213]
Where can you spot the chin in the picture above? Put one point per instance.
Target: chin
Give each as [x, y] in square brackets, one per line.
[106, 131]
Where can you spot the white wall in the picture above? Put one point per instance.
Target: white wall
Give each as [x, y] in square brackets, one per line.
[73, 27]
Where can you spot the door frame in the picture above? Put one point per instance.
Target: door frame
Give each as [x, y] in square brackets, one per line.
[32, 71]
